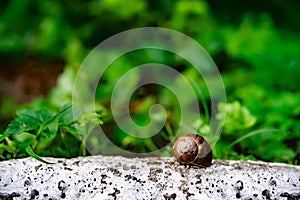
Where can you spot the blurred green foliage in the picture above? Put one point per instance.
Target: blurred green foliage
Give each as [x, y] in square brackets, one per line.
[255, 48]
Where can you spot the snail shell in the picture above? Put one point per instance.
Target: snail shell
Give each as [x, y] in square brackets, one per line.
[192, 149]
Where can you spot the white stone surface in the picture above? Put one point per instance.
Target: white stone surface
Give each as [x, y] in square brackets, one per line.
[101, 177]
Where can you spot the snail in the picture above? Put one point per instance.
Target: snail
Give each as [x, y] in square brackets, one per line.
[192, 149]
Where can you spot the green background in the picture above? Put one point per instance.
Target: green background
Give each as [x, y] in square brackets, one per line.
[254, 44]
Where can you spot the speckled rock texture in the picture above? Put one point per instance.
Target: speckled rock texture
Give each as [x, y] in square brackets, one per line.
[101, 177]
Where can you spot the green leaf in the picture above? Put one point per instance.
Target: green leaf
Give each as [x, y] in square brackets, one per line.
[70, 128]
[237, 117]
[66, 118]
[23, 140]
[5, 135]
[51, 131]
[29, 150]
[51, 120]
[27, 120]
[40, 115]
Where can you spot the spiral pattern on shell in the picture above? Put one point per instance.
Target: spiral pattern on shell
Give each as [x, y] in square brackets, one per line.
[192, 149]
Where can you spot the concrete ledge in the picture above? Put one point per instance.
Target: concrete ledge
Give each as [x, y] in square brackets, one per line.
[101, 177]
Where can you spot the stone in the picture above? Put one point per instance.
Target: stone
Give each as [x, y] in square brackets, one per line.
[115, 177]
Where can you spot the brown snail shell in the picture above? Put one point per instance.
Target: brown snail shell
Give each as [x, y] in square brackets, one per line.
[192, 149]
